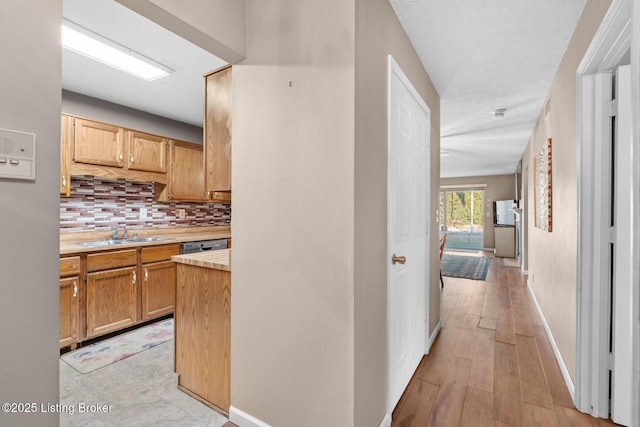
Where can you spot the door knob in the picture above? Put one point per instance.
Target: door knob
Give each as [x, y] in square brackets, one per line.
[395, 259]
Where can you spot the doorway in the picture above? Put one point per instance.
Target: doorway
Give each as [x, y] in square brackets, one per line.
[407, 230]
[604, 374]
[461, 215]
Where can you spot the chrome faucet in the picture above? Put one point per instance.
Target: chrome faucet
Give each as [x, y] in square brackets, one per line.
[114, 232]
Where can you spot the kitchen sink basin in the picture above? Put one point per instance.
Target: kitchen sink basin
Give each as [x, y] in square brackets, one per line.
[109, 242]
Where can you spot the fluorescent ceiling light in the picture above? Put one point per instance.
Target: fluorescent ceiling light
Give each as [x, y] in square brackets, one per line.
[99, 48]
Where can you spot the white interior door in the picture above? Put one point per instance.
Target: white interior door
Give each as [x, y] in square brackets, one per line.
[408, 230]
[621, 392]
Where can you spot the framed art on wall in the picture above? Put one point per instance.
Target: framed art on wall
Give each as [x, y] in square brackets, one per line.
[542, 187]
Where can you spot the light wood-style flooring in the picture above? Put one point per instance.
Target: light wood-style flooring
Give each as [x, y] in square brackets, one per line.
[492, 363]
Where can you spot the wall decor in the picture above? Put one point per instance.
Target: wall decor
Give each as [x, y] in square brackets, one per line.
[542, 187]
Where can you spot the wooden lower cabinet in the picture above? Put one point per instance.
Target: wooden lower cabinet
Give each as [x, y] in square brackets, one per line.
[158, 289]
[105, 291]
[203, 333]
[69, 310]
[111, 300]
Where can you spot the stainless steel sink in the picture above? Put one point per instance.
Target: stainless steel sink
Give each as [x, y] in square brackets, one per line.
[109, 242]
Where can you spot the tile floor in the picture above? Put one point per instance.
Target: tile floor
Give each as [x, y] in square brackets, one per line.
[142, 391]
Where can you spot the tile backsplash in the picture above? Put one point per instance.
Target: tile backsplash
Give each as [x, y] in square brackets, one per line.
[97, 204]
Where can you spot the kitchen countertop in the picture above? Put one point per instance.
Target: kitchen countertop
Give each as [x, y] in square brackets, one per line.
[193, 234]
[218, 260]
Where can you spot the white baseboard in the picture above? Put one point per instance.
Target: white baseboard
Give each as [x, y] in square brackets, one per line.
[554, 345]
[386, 421]
[242, 419]
[433, 336]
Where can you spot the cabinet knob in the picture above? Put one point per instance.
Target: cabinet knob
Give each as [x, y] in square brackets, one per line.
[64, 181]
[75, 288]
[120, 157]
[146, 275]
[134, 278]
[131, 160]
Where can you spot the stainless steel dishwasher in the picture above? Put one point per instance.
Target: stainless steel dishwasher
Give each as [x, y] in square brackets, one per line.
[203, 246]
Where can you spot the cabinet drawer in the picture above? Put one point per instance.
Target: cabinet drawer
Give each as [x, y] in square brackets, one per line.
[109, 260]
[159, 253]
[69, 266]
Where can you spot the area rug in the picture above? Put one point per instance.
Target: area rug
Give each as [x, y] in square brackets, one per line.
[95, 356]
[465, 267]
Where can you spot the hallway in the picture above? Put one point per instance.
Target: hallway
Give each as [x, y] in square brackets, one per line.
[492, 363]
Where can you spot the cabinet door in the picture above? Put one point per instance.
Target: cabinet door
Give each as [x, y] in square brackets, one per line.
[65, 156]
[97, 143]
[69, 310]
[218, 130]
[111, 300]
[147, 152]
[158, 289]
[187, 172]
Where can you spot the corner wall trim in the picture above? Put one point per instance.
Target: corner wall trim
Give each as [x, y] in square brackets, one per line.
[386, 421]
[242, 419]
[433, 336]
[554, 345]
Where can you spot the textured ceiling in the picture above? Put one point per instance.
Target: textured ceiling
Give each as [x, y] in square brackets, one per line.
[483, 55]
[480, 54]
[179, 96]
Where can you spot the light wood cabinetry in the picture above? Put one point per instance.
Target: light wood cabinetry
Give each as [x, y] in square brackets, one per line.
[107, 291]
[217, 134]
[111, 291]
[65, 155]
[186, 175]
[93, 148]
[158, 280]
[203, 333]
[97, 143]
[69, 301]
[217, 129]
[146, 152]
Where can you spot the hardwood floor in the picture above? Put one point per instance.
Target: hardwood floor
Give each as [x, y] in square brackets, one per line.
[492, 363]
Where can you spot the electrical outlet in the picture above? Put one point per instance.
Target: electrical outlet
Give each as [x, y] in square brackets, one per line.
[181, 214]
[143, 213]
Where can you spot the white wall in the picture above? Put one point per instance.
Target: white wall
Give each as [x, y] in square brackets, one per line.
[378, 34]
[30, 85]
[292, 229]
[553, 255]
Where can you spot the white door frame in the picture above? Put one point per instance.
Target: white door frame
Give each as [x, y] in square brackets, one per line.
[394, 69]
[611, 41]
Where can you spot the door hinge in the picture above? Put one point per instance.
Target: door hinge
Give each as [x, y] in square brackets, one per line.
[613, 108]
[612, 235]
[85, 278]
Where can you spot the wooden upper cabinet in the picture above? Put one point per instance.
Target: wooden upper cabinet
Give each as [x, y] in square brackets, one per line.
[186, 178]
[65, 155]
[98, 143]
[146, 152]
[217, 130]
